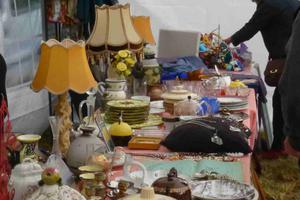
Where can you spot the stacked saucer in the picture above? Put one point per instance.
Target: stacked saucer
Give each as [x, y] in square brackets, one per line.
[233, 104]
[133, 111]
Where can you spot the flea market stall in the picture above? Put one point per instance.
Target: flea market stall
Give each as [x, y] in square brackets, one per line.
[130, 122]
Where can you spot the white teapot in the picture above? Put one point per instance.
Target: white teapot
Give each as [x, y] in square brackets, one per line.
[24, 178]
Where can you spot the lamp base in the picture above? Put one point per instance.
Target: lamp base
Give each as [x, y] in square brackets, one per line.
[63, 111]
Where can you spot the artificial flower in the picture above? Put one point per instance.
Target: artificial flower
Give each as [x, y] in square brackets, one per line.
[130, 61]
[121, 66]
[123, 54]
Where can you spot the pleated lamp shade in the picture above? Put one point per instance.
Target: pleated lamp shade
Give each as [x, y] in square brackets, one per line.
[142, 25]
[63, 66]
[114, 30]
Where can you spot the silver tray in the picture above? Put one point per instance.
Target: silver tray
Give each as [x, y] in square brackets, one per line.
[222, 190]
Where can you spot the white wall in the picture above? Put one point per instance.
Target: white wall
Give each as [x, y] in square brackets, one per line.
[203, 16]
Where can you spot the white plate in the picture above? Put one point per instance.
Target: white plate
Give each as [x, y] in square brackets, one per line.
[230, 100]
[223, 190]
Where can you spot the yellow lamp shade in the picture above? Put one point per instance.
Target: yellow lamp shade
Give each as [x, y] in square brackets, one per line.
[142, 25]
[63, 66]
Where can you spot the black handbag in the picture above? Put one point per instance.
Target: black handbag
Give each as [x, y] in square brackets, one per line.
[273, 71]
[209, 135]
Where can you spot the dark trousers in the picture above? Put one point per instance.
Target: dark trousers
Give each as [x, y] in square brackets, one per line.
[277, 122]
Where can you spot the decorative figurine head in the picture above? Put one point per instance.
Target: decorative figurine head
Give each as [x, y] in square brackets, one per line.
[50, 176]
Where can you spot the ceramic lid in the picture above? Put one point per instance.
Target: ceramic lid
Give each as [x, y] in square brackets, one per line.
[173, 186]
[178, 93]
[171, 181]
[28, 167]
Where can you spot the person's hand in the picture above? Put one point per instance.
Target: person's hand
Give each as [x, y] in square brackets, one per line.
[228, 40]
[289, 149]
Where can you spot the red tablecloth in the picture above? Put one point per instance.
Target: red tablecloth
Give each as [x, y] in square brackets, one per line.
[246, 160]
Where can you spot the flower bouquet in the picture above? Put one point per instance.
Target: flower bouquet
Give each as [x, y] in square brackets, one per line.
[123, 63]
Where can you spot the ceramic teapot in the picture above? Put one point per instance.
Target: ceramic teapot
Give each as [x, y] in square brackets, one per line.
[173, 186]
[83, 147]
[25, 178]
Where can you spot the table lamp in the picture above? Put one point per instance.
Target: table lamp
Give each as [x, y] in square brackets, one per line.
[113, 31]
[142, 25]
[63, 66]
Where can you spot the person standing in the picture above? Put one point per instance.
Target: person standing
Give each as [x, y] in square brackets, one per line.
[274, 19]
[290, 92]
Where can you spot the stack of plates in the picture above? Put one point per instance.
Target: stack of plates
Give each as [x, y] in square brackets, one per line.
[134, 111]
[233, 104]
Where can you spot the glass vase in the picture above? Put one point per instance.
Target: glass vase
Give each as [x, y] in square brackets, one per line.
[140, 87]
[55, 159]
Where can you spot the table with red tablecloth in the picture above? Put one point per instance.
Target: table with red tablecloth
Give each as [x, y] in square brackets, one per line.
[251, 122]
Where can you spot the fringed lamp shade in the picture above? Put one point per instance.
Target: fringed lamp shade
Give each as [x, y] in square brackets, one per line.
[113, 31]
[142, 25]
[63, 66]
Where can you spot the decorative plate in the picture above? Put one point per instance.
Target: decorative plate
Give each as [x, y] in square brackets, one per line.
[28, 138]
[223, 190]
[127, 104]
[91, 168]
[127, 114]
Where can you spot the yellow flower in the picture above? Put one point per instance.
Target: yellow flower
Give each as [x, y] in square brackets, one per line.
[127, 72]
[123, 54]
[130, 61]
[121, 66]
